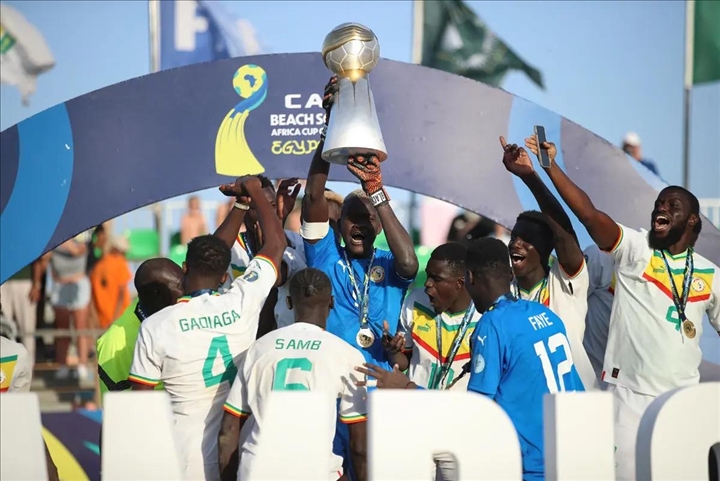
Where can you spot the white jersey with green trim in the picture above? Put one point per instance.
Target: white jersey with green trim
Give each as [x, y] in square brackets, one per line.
[293, 258]
[299, 357]
[649, 350]
[193, 348]
[566, 296]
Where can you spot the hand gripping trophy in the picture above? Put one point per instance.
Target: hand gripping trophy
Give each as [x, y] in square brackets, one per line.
[351, 51]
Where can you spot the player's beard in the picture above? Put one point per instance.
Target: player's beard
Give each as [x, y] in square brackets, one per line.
[661, 243]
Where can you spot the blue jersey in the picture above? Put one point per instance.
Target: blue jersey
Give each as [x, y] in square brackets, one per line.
[386, 293]
[520, 352]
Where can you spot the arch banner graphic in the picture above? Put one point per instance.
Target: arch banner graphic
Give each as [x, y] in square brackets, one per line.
[128, 145]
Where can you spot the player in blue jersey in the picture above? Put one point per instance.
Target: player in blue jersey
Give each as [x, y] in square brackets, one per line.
[368, 284]
[520, 351]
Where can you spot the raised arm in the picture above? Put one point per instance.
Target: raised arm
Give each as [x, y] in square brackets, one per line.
[517, 162]
[230, 228]
[367, 170]
[314, 205]
[603, 230]
[274, 240]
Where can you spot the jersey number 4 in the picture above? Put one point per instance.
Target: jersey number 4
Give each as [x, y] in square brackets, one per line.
[564, 367]
[281, 372]
[219, 346]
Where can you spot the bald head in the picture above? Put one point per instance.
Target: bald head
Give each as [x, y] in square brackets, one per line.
[159, 284]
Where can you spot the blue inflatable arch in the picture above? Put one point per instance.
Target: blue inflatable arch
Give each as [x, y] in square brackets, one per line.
[114, 150]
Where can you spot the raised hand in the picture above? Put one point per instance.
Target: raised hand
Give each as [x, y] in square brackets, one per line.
[515, 159]
[330, 95]
[241, 188]
[287, 193]
[392, 344]
[531, 143]
[367, 170]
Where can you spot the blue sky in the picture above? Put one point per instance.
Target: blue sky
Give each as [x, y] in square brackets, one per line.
[609, 66]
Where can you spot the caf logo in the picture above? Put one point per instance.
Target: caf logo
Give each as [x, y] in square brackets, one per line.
[698, 285]
[377, 274]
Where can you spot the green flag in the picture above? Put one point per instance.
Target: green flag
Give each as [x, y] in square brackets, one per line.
[706, 42]
[455, 40]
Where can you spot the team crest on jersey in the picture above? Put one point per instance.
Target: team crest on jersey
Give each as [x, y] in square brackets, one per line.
[698, 285]
[377, 274]
[2, 376]
[251, 276]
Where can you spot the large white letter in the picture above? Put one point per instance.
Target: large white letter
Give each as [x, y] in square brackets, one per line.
[294, 443]
[676, 433]
[407, 427]
[22, 455]
[137, 439]
[578, 436]
[187, 25]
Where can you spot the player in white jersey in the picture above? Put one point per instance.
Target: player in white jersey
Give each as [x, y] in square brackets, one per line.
[15, 367]
[562, 286]
[601, 267]
[193, 346]
[16, 376]
[438, 322]
[305, 357]
[663, 289]
[243, 247]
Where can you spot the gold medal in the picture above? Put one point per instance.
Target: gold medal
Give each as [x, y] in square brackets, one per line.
[689, 329]
[365, 337]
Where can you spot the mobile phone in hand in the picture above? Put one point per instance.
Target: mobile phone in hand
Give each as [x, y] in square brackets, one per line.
[543, 155]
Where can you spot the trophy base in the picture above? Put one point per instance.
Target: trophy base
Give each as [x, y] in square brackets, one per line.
[340, 155]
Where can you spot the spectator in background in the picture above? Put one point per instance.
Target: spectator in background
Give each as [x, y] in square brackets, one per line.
[110, 282]
[633, 147]
[70, 300]
[96, 247]
[19, 296]
[222, 211]
[193, 221]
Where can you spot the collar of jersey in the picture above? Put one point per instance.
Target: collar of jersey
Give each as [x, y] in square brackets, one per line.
[532, 289]
[197, 294]
[676, 257]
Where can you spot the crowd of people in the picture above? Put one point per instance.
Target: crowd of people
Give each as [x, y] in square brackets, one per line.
[88, 290]
[257, 308]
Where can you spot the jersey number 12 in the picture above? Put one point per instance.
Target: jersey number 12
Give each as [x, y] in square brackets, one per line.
[564, 367]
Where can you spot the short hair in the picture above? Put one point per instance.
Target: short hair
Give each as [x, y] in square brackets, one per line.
[536, 217]
[265, 182]
[152, 283]
[488, 257]
[689, 196]
[357, 193]
[333, 197]
[454, 254]
[208, 256]
[310, 285]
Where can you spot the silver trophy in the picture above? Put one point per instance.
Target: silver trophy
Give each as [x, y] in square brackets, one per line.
[351, 51]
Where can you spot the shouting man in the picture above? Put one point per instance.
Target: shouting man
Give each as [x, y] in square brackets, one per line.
[663, 289]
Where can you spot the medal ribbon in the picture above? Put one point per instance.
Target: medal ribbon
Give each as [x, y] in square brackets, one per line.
[245, 244]
[538, 293]
[687, 279]
[445, 367]
[363, 301]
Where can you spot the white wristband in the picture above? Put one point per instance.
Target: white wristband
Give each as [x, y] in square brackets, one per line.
[314, 230]
[240, 206]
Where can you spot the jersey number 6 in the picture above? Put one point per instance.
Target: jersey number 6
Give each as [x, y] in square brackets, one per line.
[281, 372]
[564, 367]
